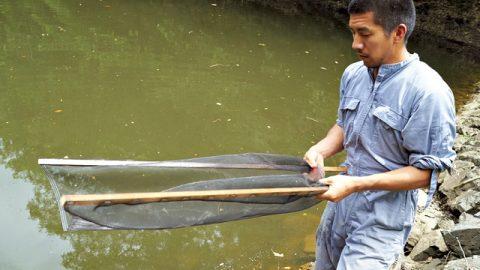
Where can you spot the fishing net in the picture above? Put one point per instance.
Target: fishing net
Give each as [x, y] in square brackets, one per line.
[227, 172]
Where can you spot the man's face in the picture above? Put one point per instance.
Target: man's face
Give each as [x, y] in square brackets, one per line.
[369, 40]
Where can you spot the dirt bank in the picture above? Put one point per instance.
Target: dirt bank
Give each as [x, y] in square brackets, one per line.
[454, 25]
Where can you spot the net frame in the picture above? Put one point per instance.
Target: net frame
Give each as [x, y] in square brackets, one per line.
[248, 160]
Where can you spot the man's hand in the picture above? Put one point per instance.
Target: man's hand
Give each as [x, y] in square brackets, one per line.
[340, 186]
[314, 158]
[327, 147]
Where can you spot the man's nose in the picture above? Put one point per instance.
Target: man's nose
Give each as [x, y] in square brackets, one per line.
[357, 44]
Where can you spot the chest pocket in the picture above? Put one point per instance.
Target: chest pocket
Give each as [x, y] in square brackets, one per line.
[389, 125]
[348, 110]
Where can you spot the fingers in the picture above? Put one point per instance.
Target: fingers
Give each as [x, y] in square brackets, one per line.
[310, 159]
[326, 181]
[320, 162]
[328, 197]
[314, 158]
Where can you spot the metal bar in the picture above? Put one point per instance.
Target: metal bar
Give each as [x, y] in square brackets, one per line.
[180, 164]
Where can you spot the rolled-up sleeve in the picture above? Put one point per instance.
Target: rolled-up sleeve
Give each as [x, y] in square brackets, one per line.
[429, 134]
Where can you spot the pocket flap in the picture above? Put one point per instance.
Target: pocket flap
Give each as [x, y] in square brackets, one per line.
[349, 103]
[389, 117]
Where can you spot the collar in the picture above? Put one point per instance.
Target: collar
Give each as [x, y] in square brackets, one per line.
[387, 70]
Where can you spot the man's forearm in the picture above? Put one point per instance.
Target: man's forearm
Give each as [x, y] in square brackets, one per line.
[332, 143]
[401, 179]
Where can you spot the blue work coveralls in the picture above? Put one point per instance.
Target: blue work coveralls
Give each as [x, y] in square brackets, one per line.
[406, 116]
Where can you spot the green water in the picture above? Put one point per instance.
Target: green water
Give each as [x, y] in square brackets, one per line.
[160, 80]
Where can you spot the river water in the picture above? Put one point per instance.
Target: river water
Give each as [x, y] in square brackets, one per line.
[162, 80]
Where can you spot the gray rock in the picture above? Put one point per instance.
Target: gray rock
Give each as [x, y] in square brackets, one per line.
[468, 218]
[472, 156]
[472, 121]
[425, 221]
[453, 181]
[405, 263]
[422, 200]
[460, 142]
[430, 245]
[468, 201]
[434, 265]
[446, 224]
[470, 263]
[467, 131]
[464, 237]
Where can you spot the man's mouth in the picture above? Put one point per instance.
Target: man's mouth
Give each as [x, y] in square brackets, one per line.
[362, 56]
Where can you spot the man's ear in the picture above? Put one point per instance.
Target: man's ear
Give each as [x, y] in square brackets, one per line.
[399, 33]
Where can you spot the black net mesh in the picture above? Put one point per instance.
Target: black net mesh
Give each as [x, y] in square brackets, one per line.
[277, 171]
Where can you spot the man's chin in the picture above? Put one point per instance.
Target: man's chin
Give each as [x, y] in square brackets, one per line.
[369, 64]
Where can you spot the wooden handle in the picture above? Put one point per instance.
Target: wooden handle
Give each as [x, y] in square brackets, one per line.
[147, 197]
[334, 169]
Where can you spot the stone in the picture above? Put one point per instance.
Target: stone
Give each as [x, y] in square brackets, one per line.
[464, 238]
[468, 201]
[452, 181]
[446, 224]
[471, 156]
[472, 121]
[459, 142]
[433, 265]
[425, 220]
[430, 245]
[471, 263]
[422, 200]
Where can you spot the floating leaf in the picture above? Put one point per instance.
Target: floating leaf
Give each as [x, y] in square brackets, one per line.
[58, 111]
[219, 65]
[276, 254]
[313, 119]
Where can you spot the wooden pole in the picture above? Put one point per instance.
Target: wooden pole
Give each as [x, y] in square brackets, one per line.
[147, 197]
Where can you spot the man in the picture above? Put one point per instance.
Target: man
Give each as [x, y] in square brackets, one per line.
[396, 121]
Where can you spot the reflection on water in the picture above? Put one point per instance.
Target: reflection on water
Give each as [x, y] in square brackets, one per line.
[159, 80]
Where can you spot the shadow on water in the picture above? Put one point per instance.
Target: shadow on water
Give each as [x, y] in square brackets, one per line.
[158, 80]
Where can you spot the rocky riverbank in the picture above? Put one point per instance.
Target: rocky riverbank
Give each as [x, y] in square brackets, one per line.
[447, 234]
[454, 25]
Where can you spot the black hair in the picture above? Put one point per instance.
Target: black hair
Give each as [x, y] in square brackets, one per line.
[387, 13]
